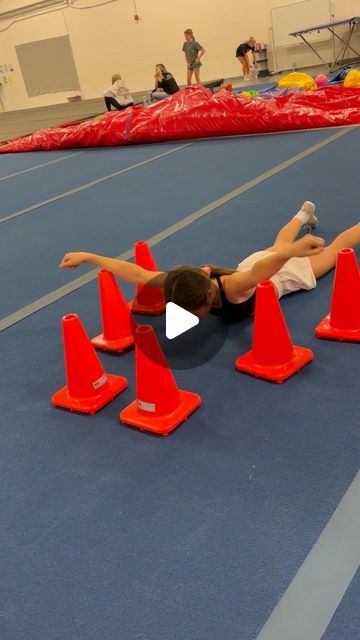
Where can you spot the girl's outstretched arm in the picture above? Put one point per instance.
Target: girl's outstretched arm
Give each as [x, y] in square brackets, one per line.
[129, 272]
[242, 281]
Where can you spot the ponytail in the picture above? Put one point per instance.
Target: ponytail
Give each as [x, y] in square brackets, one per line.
[220, 271]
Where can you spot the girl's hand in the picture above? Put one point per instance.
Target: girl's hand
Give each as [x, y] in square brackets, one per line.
[72, 260]
[307, 246]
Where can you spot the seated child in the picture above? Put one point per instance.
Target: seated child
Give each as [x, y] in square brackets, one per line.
[117, 95]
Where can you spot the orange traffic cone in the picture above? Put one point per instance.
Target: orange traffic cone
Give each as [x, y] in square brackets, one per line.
[88, 387]
[273, 356]
[160, 406]
[149, 300]
[115, 314]
[343, 321]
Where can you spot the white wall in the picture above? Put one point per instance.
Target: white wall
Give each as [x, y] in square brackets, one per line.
[351, 8]
[107, 40]
[300, 53]
[45, 26]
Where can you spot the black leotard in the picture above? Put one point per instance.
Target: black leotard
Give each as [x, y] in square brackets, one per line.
[242, 49]
[168, 84]
[230, 311]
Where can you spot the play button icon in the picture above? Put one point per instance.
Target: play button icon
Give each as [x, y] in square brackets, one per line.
[178, 320]
[191, 348]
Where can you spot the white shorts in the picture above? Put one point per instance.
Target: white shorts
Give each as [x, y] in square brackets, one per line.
[296, 273]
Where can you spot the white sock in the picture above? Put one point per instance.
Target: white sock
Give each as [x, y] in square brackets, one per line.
[307, 214]
[303, 216]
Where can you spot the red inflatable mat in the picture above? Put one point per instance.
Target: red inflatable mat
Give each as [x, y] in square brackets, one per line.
[195, 112]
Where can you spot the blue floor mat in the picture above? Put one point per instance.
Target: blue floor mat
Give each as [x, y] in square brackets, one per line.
[33, 187]
[345, 623]
[107, 532]
[111, 216]
[108, 521]
[15, 162]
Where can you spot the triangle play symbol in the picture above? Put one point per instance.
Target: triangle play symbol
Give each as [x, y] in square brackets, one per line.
[178, 320]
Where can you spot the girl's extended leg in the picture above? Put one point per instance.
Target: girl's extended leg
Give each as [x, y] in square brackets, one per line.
[197, 76]
[326, 260]
[289, 232]
[189, 76]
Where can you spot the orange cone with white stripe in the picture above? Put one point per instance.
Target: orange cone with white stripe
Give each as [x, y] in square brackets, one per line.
[88, 387]
[159, 406]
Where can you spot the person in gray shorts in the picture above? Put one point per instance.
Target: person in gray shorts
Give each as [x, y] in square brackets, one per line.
[193, 52]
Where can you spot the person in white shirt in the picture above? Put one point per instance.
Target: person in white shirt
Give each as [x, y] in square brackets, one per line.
[117, 95]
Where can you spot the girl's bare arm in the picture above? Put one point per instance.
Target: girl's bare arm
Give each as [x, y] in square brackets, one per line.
[242, 281]
[125, 270]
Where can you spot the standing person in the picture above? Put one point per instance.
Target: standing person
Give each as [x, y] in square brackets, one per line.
[289, 263]
[165, 84]
[117, 95]
[193, 52]
[243, 56]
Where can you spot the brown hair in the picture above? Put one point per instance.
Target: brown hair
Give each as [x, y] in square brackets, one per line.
[115, 77]
[188, 286]
[220, 271]
[189, 32]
